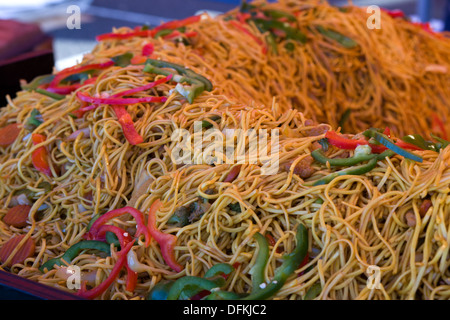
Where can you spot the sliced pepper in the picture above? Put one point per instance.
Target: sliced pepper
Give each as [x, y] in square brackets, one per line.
[138, 216]
[166, 241]
[290, 264]
[40, 157]
[74, 251]
[127, 124]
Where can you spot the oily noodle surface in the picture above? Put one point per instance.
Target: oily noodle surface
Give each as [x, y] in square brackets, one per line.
[354, 222]
[393, 73]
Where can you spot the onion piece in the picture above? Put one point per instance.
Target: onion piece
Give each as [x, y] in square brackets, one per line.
[85, 131]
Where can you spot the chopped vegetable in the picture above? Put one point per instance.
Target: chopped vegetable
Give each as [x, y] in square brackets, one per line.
[223, 269]
[127, 124]
[74, 251]
[194, 285]
[258, 269]
[40, 157]
[344, 118]
[63, 74]
[336, 36]
[17, 216]
[180, 217]
[50, 94]
[123, 60]
[366, 155]
[287, 268]
[148, 49]
[138, 216]
[356, 170]
[207, 124]
[25, 251]
[37, 82]
[313, 292]
[161, 290]
[9, 134]
[166, 241]
[34, 120]
[388, 143]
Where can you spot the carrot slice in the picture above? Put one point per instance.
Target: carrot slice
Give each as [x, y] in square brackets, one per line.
[9, 134]
[25, 251]
[17, 216]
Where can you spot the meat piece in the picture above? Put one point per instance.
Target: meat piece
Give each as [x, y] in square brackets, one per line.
[25, 251]
[303, 168]
[424, 207]
[410, 218]
[17, 216]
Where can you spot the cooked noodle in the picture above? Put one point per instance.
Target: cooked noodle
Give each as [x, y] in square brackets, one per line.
[354, 222]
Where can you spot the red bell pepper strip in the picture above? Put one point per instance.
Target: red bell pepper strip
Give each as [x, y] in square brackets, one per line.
[138, 216]
[150, 33]
[78, 69]
[69, 88]
[127, 125]
[121, 261]
[341, 142]
[118, 101]
[39, 157]
[394, 13]
[143, 88]
[438, 125]
[124, 238]
[178, 23]
[123, 36]
[166, 241]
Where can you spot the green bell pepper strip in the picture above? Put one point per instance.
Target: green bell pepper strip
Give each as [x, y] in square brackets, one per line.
[344, 118]
[290, 264]
[38, 81]
[385, 141]
[270, 39]
[49, 94]
[257, 271]
[291, 33]
[34, 120]
[218, 269]
[313, 292]
[188, 286]
[161, 290]
[74, 251]
[277, 14]
[419, 141]
[319, 156]
[197, 87]
[343, 40]
[123, 60]
[356, 170]
[181, 70]
[223, 295]
[441, 143]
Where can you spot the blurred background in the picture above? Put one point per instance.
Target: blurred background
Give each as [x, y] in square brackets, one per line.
[100, 16]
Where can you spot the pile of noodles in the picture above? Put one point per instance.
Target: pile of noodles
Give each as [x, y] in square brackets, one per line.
[393, 73]
[353, 222]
